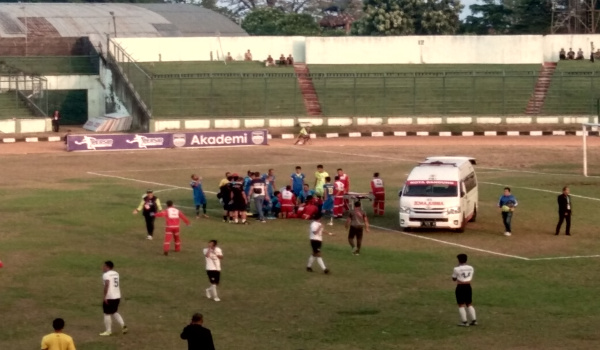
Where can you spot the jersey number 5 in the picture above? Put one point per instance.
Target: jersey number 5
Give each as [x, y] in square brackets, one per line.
[116, 282]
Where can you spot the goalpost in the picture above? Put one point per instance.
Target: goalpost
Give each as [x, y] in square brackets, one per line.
[587, 127]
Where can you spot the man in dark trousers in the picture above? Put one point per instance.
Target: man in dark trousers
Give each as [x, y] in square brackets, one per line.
[564, 210]
[198, 337]
[149, 206]
[55, 121]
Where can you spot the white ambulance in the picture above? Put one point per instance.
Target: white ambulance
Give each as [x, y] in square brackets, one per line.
[440, 193]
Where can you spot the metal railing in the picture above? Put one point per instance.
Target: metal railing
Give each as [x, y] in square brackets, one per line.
[23, 96]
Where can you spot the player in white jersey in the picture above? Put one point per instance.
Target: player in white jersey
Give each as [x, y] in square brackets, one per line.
[462, 275]
[213, 256]
[112, 297]
[316, 240]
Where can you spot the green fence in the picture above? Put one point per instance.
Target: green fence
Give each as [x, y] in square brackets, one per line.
[23, 96]
[53, 65]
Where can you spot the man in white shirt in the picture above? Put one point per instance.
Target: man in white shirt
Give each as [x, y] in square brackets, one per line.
[462, 275]
[316, 240]
[112, 298]
[213, 256]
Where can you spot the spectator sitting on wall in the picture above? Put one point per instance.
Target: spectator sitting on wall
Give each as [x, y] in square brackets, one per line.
[571, 54]
[562, 54]
[269, 61]
[229, 58]
[282, 60]
[597, 54]
[579, 54]
[290, 60]
[248, 56]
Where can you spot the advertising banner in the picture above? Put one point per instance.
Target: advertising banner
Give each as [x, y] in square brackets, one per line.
[118, 142]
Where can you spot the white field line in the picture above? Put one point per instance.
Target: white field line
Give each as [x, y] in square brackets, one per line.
[173, 187]
[538, 190]
[197, 168]
[452, 243]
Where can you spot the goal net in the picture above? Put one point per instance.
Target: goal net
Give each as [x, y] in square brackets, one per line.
[589, 129]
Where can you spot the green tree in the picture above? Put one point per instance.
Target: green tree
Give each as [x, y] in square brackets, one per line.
[532, 17]
[488, 18]
[298, 24]
[405, 17]
[263, 21]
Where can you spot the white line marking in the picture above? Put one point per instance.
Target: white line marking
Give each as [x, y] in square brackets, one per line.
[538, 190]
[533, 172]
[146, 182]
[197, 168]
[453, 244]
[172, 187]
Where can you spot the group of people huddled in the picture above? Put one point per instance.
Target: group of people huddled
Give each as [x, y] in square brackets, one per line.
[270, 61]
[283, 61]
[570, 55]
[259, 194]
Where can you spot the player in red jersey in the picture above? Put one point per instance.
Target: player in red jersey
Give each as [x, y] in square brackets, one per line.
[338, 198]
[310, 209]
[345, 179]
[173, 217]
[288, 202]
[379, 193]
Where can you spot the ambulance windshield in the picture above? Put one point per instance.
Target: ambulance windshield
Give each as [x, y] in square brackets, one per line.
[413, 189]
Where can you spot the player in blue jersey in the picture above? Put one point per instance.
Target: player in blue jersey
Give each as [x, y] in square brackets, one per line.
[327, 207]
[247, 186]
[199, 197]
[297, 181]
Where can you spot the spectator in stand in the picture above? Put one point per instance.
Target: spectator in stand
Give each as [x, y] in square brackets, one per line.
[269, 62]
[597, 54]
[282, 60]
[248, 56]
[229, 58]
[579, 54]
[562, 54]
[290, 60]
[571, 54]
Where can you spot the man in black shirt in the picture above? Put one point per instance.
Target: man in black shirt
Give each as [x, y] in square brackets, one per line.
[149, 206]
[238, 199]
[564, 211]
[198, 337]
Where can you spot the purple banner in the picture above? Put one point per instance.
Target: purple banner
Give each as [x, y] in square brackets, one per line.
[116, 142]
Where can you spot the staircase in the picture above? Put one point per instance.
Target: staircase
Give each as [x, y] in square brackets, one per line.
[311, 100]
[536, 101]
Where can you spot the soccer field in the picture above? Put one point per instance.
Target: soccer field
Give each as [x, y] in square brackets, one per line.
[64, 214]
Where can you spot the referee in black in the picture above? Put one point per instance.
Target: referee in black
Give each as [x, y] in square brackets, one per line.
[564, 211]
[149, 205]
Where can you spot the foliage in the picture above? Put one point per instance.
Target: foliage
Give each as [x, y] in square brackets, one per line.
[271, 21]
[404, 17]
[488, 18]
[509, 17]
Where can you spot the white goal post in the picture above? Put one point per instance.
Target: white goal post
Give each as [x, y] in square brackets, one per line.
[587, 127]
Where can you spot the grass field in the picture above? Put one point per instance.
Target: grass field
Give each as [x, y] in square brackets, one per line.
[64, 214]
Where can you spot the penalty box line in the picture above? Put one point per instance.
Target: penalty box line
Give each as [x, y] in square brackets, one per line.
[378, 227]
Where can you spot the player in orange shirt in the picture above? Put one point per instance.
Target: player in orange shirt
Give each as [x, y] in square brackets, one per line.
[173, 217]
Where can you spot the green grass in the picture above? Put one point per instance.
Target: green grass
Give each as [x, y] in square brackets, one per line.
[53, 65]
[60, 226]
[575, 89]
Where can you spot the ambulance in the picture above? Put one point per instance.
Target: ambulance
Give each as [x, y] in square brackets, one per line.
[440, 193]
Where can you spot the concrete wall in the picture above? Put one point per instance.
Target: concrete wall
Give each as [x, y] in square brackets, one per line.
[198, 49]
[12, 126]
[493, 49]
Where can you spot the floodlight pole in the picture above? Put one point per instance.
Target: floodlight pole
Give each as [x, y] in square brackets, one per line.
[114, 22]
[585, 171]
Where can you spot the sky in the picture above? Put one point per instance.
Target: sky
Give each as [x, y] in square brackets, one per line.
[466, 10]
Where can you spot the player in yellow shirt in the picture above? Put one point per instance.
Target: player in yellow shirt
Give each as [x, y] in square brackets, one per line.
[320, 176]
[58, 340]
[225, 180]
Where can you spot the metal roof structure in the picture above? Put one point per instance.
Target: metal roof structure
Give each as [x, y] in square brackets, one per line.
[97, 20]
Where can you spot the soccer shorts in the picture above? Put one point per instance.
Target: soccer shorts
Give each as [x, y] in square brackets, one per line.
[316, 246]
[355, 232]
[111, 306]
[238, 205]
[214, 276]
[173, 230]
[463, 294]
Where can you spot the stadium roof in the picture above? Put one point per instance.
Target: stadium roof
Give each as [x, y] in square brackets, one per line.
[95, 20]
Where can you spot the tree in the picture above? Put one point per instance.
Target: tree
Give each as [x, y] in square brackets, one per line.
[404, 17]
[271, 21]
[298, 24]
[488, 18]
[263, 21]
[532, 17]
